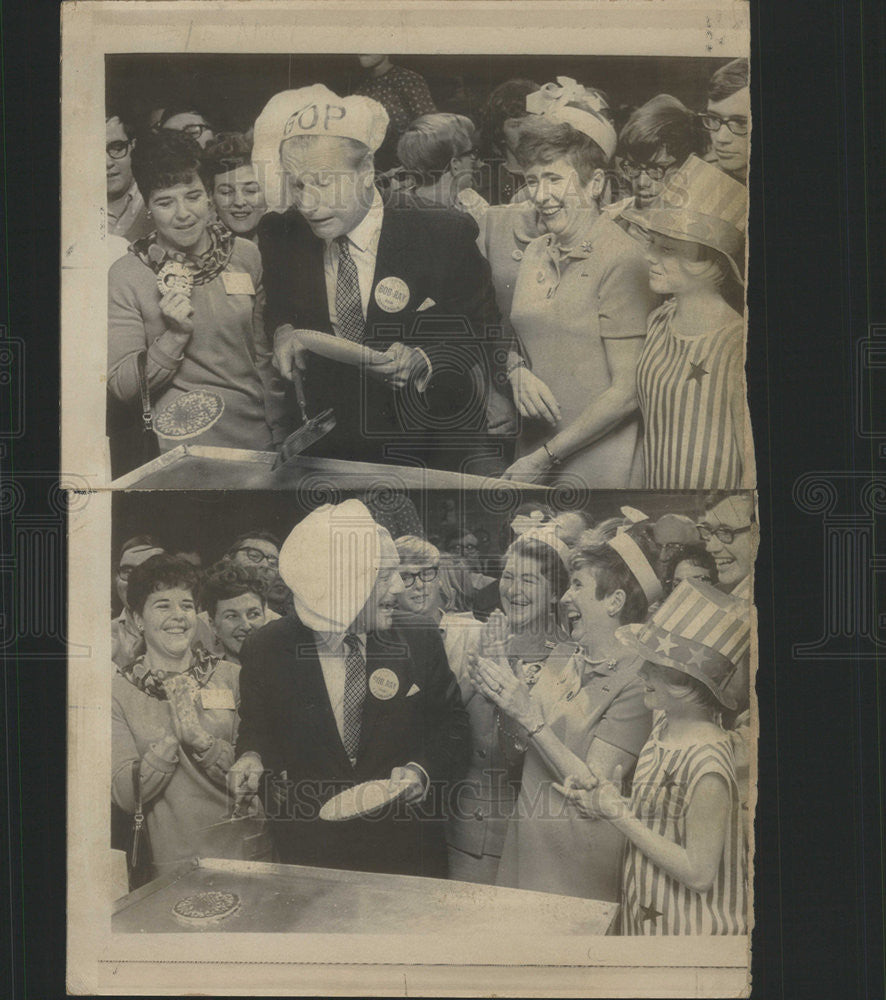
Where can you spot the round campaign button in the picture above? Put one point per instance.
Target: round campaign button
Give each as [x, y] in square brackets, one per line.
[174, 276]
[383, 684]
[517, 255]
[392, 294]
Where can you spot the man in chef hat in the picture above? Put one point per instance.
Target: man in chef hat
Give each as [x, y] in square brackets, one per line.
[335, 696]
[409, 283]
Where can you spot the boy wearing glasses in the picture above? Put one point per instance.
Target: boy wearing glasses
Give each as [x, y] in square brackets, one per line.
[127, 215]
[727, 118]
[727, 531]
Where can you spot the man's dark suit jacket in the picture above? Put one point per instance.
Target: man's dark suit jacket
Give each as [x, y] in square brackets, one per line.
[434, 254]
[286, 718]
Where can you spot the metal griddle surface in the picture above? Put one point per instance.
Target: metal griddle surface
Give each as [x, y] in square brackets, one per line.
[291, 898]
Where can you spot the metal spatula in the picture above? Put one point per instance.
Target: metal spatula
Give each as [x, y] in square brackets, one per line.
[311, 430]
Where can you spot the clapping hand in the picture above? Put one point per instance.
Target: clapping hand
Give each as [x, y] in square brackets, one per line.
[597, 798]
[181, 692]
[496, 682]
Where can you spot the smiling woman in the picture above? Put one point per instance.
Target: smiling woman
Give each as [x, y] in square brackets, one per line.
[174, 723]
[186, 302]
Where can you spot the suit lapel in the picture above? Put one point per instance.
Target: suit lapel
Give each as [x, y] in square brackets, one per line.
[313, 696]
[308, 274]
[391, 260]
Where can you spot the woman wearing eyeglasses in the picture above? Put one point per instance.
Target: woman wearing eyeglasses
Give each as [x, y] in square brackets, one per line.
[188, 299]
[690, 377]
[184, 118]
[441, 151]
[657, 138]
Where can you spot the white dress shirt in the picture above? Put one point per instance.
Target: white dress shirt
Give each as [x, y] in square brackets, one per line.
[363, 246]
[332, 652]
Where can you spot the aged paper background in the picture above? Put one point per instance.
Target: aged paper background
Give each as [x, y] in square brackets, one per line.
[225, 964]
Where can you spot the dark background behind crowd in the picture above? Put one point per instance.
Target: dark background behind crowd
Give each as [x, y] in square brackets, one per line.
[231, 89]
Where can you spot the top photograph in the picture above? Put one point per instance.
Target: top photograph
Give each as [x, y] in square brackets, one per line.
[455, 269]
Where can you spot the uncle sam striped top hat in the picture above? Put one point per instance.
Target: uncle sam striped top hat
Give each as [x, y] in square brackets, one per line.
[701, 204]
[699, 631]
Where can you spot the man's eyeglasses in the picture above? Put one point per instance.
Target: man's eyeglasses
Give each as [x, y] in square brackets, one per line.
[722, 533]
[713, 123]
[257, 556]
[118, 148]
[654, 171]
[194, 129]
[425, 575]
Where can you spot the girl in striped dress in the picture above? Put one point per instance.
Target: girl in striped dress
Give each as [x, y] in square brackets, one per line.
[690, 376]
[685, 865]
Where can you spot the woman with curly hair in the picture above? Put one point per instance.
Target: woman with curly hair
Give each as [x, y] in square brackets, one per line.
[234, 599]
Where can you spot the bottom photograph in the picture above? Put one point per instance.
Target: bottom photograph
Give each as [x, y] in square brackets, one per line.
[396, 712]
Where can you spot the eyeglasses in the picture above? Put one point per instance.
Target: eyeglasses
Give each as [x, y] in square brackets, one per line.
[722, 533]
[194, 130]
[118, 148]
[654, 171]
[713, 123]
[257, 556]
[425, 575]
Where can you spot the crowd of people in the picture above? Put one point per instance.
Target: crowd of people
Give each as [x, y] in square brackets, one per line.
[566, 712]
[544, 293]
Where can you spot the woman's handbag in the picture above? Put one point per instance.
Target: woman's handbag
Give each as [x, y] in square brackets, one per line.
[132, 439]
[138, 855]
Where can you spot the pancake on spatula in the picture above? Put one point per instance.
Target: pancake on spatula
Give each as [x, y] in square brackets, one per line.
[363, 799]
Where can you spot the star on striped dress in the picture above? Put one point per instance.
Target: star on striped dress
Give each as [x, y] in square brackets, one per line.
[653, 902]
[692, 396]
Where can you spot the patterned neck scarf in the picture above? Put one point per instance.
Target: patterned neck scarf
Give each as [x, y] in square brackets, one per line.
[151, 681]
[203, 267]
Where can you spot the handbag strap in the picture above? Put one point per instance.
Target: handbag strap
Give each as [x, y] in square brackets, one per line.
[147, 414]
[138, 819]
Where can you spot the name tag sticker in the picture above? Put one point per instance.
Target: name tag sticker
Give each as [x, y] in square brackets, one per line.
[238, 283]
[217, 699]
[383, 684]
[392, 294]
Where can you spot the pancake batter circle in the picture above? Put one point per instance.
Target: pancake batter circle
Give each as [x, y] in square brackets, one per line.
[203, 909]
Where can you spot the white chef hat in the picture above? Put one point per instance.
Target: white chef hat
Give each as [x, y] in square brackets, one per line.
[313, 110]
[330, 562]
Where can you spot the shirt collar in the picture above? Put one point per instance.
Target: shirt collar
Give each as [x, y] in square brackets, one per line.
[332, 642]
[365, 234]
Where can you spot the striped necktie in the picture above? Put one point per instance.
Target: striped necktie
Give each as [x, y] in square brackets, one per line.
[354, 696]
[348, 306]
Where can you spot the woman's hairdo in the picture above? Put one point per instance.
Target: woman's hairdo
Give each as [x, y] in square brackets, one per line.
[454, 578]
[174, 110]
[507, 100]
[228, 151]
[416, 551]
[160, 572]
[541, 139]
[226, 580]
[431, 141]
[610, 570]
[165, 159]
[662, 123]
[697, 555]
